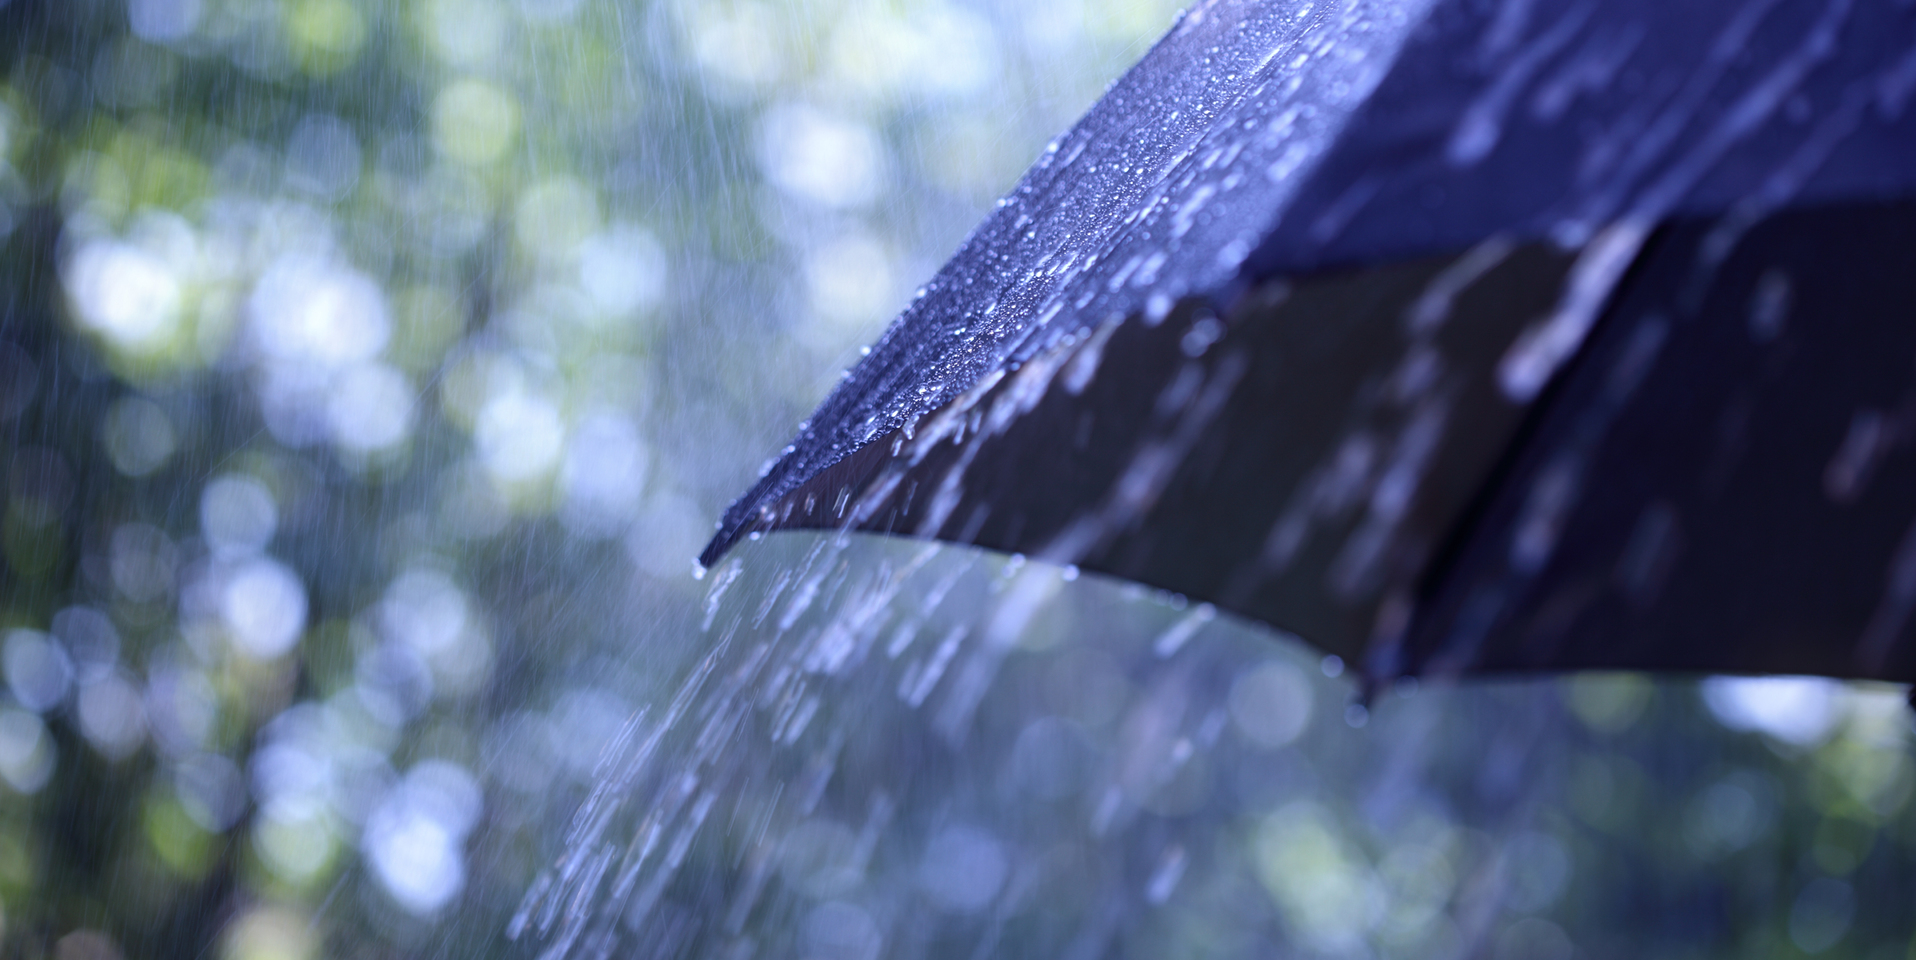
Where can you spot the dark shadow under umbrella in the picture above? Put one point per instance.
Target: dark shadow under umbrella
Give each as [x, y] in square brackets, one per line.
[1453, 338]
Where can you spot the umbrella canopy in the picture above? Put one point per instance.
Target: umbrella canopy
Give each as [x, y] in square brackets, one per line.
[1453, 337]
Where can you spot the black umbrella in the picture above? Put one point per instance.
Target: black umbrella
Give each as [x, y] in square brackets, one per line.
[1451, 336]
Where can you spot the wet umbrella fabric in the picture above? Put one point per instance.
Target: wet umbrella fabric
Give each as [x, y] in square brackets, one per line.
[1452, 337]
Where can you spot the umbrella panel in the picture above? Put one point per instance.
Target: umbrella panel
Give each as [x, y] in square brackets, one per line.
[1293, 459]
[1720, 480]
[1724, 481]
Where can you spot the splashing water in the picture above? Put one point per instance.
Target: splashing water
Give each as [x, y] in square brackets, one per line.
[900, 749]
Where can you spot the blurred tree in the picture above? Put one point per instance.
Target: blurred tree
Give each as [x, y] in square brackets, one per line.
[359, 367]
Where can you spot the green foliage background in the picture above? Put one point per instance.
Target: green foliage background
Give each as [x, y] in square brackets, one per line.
[493, 147]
